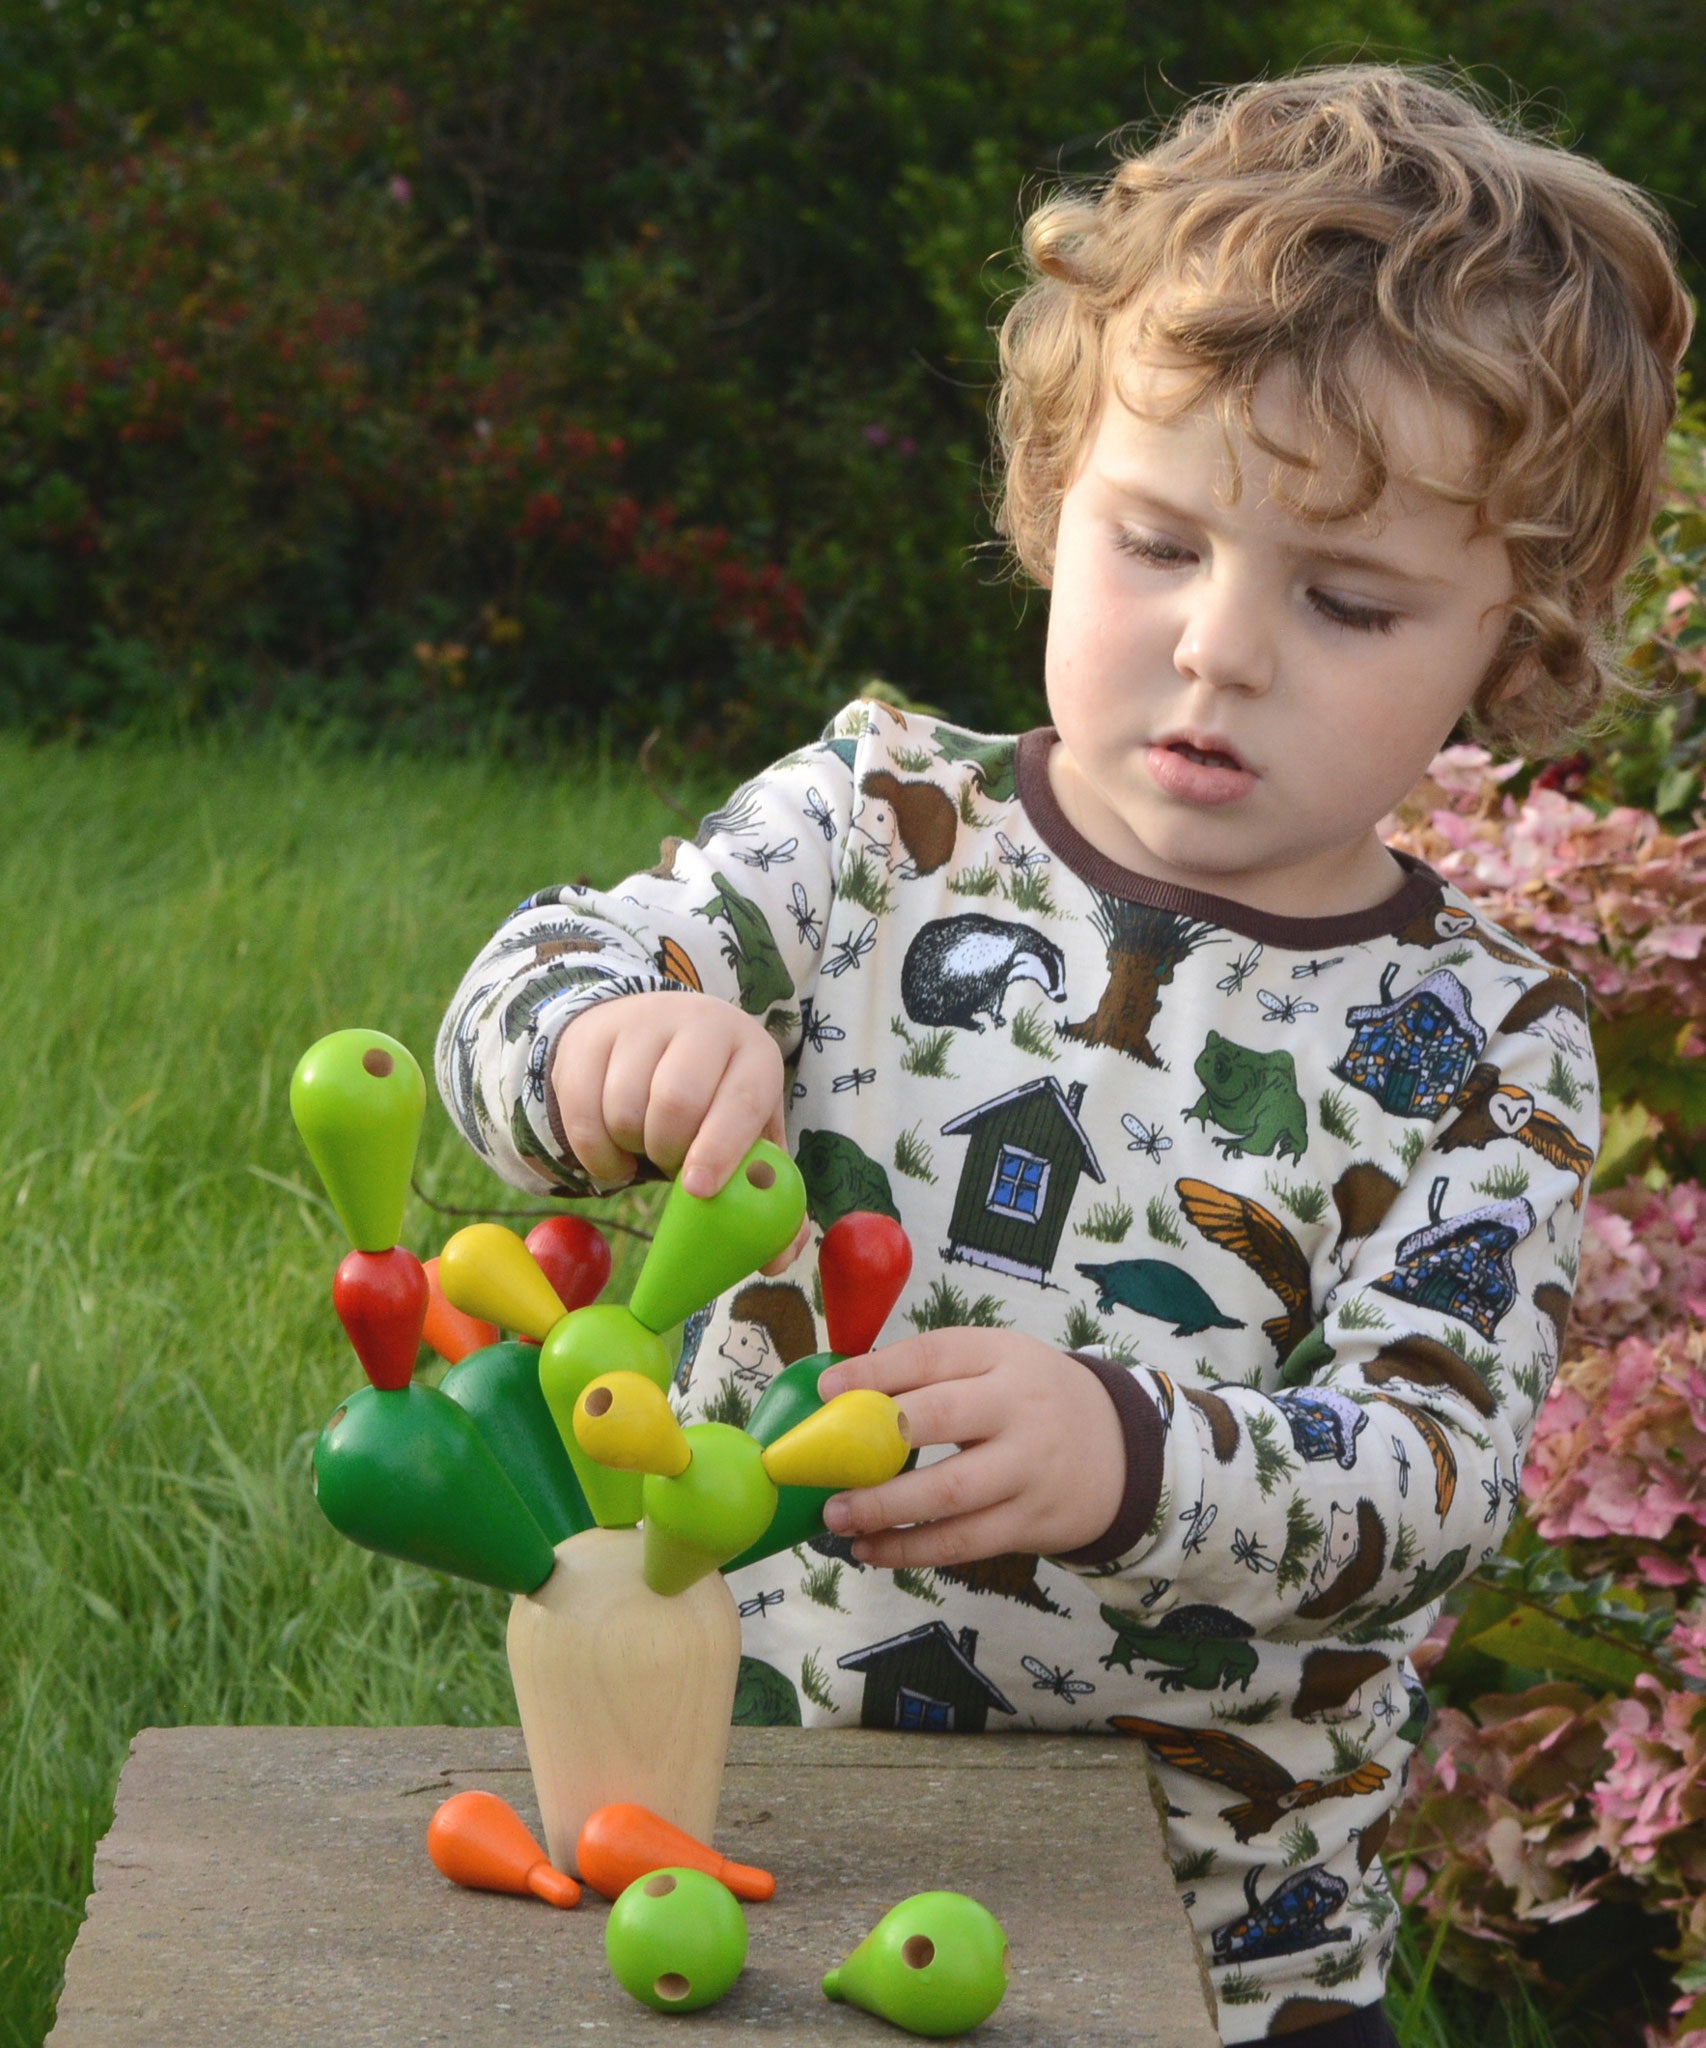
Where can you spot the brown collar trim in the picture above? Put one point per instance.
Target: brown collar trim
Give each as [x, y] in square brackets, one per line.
[1419, 891]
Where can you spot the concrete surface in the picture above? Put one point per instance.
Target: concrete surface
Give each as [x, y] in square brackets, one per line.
[272, 1885]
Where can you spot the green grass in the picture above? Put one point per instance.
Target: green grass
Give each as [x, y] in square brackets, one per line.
[177, 928]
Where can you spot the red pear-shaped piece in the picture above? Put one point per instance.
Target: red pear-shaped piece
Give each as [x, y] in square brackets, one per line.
[863, 1261]
[574, 1256]
[381, 1300]
[478, 1840]
[623, 1842]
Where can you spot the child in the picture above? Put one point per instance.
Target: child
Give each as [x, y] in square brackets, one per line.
[1242, 1158]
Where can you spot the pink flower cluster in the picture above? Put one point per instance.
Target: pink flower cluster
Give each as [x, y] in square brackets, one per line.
[1530, 1808]
[1643, 1263]
[1619, 1451]
[1547, 1802]
[1617, 900]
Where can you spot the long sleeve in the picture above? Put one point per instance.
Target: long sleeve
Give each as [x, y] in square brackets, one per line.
[1382, 1467]
[737, 913]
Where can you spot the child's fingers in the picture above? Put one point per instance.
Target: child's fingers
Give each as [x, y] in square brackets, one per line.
[742, 1103]
[681, 1098]
[579, 1077]
[992, 1533]
[938, 1513]
[962, 1484]
[920, 1361]
[630, 1076]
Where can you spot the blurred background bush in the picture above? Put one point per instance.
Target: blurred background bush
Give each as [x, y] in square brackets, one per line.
[447, 370]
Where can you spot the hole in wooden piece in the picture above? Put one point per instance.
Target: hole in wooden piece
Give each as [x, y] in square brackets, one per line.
[600, 1401]
[377, 1061]
[671, 1984]
[761, 1174]
[919, 1953]
[660, 1885]
[905, 1428]
[336, 1419]
[1006, 1967]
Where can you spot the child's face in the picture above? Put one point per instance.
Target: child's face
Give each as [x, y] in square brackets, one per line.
[1319, 686]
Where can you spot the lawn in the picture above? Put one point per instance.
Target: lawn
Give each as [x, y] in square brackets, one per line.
[179, 925]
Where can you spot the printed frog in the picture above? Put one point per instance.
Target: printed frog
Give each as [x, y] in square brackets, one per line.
[1253, 1095]
[1198, 1646]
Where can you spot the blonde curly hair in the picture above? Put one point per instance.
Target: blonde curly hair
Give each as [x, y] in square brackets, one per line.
[1377, 217]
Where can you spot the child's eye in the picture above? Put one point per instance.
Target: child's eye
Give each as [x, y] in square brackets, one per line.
[1150, 547]
[1357, 618]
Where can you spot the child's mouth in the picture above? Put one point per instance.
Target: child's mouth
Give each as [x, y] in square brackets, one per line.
[1198, 775]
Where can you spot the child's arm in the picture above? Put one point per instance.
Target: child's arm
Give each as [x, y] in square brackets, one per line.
[727, 926]
[1384, 1469]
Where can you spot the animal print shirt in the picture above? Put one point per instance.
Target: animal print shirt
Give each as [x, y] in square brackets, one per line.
[1309, 1188]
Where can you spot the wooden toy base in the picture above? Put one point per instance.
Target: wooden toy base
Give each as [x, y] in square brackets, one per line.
[353, 1940]
[623, 1693]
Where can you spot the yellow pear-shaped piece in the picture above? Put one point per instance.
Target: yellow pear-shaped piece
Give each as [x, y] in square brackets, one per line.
[487, 1271]
[858, 1439]
[624, 1419]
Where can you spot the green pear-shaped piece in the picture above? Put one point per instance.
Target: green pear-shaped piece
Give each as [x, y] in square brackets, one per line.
[358, 1098]
[407, 1473]
[583, 1344]
[705, 1243]
[936, 1964]
[698, 1521]
[499, 1387]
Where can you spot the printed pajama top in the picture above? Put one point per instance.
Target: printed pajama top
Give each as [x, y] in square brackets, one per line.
[1315, 1185]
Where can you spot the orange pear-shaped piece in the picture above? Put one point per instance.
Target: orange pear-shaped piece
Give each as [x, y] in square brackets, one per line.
[478, 1840]
[452, 1334]
[623, 1842]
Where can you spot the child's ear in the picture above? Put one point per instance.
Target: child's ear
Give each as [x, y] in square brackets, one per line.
[1522, 677]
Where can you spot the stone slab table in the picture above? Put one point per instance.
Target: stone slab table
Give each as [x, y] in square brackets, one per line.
[265, 1885]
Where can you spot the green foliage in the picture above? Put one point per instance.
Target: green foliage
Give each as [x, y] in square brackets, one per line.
[447, 370]
[170, 1349]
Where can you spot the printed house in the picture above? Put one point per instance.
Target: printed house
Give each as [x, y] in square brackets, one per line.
[1019, 1177]
[1461, 1267]
[925, 1681]
[1413, 1055]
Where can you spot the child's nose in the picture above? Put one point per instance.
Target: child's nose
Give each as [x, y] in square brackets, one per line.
[1223, 640]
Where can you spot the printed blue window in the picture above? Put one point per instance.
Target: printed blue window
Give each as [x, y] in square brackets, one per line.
[1019, 1185]
[913, 1711]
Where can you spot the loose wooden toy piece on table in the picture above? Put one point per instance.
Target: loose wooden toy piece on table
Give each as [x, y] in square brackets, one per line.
[623, 1842]
[936, 1964]
[479, 1840]
[676, 1940]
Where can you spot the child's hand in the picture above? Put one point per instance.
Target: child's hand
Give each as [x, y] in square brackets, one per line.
[685, 1080]
[1042, 1465]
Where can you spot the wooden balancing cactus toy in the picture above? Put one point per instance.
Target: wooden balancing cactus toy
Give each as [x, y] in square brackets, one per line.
[551, 1465]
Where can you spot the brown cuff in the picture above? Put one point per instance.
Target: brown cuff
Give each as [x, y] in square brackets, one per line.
[1145, 1454]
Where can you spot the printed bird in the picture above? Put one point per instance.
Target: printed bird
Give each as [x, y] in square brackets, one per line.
[1489, 1108]
[1257, 1237]
[1270, 1791]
